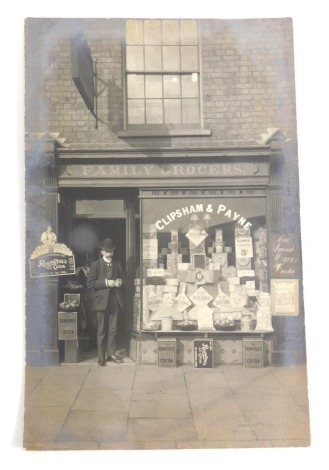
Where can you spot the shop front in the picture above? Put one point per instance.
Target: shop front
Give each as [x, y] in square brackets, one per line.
[193, 238]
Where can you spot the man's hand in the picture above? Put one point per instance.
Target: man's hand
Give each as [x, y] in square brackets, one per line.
[118, 282]
[111, 283]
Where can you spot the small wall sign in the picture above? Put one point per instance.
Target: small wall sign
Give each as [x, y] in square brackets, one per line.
[54, 259]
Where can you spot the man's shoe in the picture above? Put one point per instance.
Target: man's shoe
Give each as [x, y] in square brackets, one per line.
[101, 362]
[115, 359]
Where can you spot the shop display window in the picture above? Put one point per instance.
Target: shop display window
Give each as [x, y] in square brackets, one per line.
[204, 262]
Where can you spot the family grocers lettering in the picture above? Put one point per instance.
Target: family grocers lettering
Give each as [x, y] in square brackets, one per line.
[182, 170]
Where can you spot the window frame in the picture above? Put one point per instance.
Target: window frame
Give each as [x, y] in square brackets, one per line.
[195, 128]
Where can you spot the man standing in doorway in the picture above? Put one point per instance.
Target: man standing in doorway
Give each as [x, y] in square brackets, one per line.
[107, 278]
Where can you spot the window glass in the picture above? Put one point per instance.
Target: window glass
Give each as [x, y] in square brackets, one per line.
[162, 63]
[173, 111]
[136, 112]
[170, 32]
[135, 85]
[189, 32]
[153, 58]
[134, 32]
[152, 32]
[190, 110]
[190, 86]
[135, 58]
[153, 86]
[203, 259]
[154, 112]
[189, 60]
[171, 86]
[171, 58]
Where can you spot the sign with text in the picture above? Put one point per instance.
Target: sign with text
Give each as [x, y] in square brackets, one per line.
[284, 255]
[285, 297]
[167, 352]
[253, 353]
[52, 260]
[243, 247]
[182, 170]
[67, 325]
[203, 353]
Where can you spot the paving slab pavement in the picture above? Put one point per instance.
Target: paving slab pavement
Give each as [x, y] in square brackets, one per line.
[130, 406]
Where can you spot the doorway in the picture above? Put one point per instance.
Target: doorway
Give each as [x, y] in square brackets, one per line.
[86, 218]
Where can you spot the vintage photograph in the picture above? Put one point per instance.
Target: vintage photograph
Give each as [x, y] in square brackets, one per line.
[164, 274]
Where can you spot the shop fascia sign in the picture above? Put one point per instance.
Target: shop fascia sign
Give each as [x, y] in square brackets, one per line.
[182, 170]
[222, 209]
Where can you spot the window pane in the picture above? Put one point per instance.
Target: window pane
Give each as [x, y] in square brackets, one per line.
[152, 32]
[172, 109]
[134, 32]
[189, 32]
[135, 59]
[153, 58]
[171, 59]
[191, 113]
[136, 112]
[189, 58]
[135, 86]
[190, 86]
[154, 112]
[153, 86]
[171, 86]
[170, 32]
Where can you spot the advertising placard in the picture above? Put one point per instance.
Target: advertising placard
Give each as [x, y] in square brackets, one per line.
[52, 260]
[253, 353]
[67, 325]
[203, 353]
[167, 352]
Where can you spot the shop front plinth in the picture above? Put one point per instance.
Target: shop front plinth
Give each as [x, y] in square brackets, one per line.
[228, 346]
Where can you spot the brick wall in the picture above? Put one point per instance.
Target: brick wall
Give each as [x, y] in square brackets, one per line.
[247, 69]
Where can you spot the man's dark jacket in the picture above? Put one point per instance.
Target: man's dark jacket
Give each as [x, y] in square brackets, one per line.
[98, 272]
